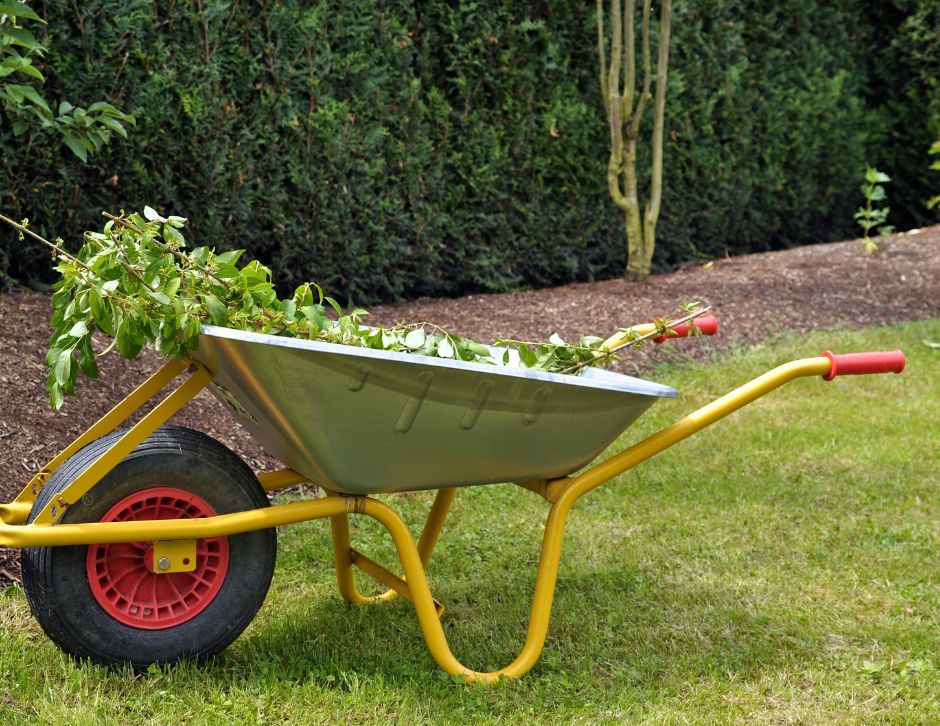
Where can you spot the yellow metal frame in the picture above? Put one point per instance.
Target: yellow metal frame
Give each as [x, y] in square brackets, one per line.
[561, 494]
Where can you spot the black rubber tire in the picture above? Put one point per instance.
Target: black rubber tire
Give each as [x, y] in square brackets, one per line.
[55, 578]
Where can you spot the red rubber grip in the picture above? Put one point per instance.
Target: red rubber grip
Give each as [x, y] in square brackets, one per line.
[708, 324]
[856, 364]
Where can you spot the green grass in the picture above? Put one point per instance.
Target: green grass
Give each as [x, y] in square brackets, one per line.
[780, 566]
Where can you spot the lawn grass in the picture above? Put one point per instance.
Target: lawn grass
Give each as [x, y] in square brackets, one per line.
[783, 565]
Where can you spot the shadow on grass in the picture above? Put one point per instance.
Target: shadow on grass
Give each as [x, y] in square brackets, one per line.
[623, 629]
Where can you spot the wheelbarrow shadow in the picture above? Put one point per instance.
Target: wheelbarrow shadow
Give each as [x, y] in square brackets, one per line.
[620, 627]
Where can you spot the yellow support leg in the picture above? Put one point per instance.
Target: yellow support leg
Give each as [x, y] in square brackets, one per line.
[342, 556]
[271, 481]
[424, 603]
[198, 380]
[342, 550]
[105, 425]
[554, 527]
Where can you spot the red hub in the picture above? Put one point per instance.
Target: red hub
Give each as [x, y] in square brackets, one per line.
[122, 576]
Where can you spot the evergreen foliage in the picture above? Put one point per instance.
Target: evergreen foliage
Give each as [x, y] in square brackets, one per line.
[392, 150]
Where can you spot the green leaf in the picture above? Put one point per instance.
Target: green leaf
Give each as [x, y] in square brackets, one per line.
[19, 10]
[52, 355]
[31, 94]
[56, 398]
[172, 236]
[230, 257]
[79, 329]
[526, 356]
[113, 124]
[13, 35]
[152, 216]
[415, 338]
[63, 367]
[218, 313]
[86, 361]
[72, 141]
[100, 312]
[105, 107]
[335, 305]
[129, 340]
[288, 308]
[159, 297]
[191, 327]
[153, 269]
[27, 68]
[445, 349]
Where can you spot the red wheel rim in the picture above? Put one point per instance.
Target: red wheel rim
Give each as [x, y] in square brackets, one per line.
[121, 575]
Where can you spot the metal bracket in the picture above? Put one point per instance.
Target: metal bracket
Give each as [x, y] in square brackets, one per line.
[175, 555]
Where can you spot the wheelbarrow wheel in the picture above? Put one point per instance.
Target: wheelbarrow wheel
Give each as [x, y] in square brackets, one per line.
[108, 602]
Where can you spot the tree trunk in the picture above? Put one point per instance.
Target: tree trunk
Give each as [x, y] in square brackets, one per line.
[659, 108]
[624, 121]
[633, 221]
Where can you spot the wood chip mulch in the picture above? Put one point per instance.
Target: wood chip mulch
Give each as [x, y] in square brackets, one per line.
[754, 296]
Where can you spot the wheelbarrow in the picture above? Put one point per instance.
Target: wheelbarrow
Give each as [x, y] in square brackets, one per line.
[154, 543]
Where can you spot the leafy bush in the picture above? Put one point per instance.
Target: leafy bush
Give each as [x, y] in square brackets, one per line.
[393, 150]
[83, 131]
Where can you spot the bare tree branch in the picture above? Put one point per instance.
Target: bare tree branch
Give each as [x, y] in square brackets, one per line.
[629, 57]
[615, 106]
[602, 55]
[647, 70]
[659, 108]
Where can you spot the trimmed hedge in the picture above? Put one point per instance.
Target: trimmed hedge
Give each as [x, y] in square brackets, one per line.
[393, 150]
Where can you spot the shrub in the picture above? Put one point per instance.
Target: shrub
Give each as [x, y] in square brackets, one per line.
[393, 150]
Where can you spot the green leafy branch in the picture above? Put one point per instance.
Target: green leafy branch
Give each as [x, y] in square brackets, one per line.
[84, 131]
[136, 282]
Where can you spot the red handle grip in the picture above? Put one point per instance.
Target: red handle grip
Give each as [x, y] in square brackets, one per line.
[708, 324]
[856, 364]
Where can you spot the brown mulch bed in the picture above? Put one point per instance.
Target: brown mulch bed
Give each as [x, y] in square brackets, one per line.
[754, 296]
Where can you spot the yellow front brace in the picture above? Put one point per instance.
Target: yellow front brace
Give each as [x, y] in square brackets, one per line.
[562, 494]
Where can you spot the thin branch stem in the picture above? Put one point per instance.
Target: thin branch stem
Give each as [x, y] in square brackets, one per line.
[23, 229]
[185, 258]
[119, 299]
[653, 334]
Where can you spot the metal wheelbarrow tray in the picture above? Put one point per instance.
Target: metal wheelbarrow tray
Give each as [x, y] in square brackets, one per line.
[154, 543]
[362, 421]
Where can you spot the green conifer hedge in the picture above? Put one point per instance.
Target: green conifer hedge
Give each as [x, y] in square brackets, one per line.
[398, 149]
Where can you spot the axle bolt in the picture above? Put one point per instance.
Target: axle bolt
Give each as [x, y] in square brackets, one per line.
[163, 563]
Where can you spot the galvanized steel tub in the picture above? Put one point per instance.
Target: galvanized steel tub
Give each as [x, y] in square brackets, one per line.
[362, 421]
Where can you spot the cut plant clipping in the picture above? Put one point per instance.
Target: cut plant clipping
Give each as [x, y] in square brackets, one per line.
[137, 282]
